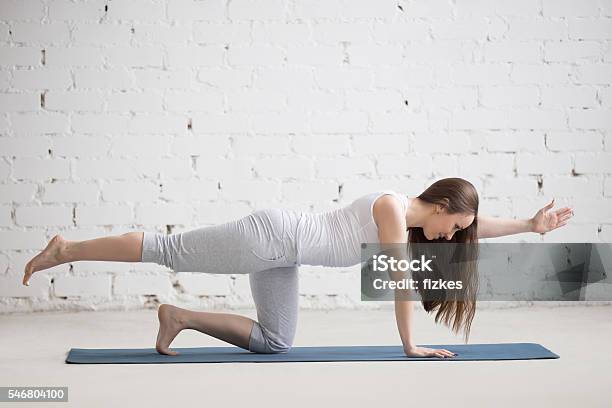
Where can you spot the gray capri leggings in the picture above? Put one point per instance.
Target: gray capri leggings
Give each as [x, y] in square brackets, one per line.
[261, 244]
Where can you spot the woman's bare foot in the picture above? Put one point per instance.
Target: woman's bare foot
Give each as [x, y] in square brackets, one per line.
[170, 325]
[49, 257]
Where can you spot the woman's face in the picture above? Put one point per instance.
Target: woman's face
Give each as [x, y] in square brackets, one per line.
[444, 225]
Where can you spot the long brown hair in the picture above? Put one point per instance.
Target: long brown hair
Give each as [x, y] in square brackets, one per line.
[455, 195]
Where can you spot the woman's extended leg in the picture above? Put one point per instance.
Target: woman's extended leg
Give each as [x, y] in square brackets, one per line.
[121, 248]
[252, 243]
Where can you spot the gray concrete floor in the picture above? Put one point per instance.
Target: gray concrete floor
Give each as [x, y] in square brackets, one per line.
[34, 347]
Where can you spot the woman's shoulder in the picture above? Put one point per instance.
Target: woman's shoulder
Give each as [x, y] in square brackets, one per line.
[388, 204]
[387, 199]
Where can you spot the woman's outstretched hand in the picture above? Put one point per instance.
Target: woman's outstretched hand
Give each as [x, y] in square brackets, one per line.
[428, 352]
[545, 220]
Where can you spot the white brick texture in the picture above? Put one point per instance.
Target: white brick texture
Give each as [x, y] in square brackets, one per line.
[168, 115]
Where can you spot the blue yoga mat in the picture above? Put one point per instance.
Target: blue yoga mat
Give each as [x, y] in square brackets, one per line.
[466, 352]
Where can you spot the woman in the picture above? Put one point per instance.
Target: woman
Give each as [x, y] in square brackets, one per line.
[270, 245]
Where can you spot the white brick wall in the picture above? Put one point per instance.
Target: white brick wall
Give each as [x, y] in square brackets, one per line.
[129, 115]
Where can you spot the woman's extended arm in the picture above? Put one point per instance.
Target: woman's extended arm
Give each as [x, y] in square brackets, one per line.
[490, 227]
[542, 222]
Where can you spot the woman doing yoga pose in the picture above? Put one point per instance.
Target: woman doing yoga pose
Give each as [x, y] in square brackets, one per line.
[271, 244]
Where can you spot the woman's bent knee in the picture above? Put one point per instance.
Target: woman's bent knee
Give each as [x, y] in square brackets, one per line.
[271, 348]
[261, 341]
[278, 347]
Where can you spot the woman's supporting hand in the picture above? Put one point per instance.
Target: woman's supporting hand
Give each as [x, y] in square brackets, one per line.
[545, 221]
[428, 352]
